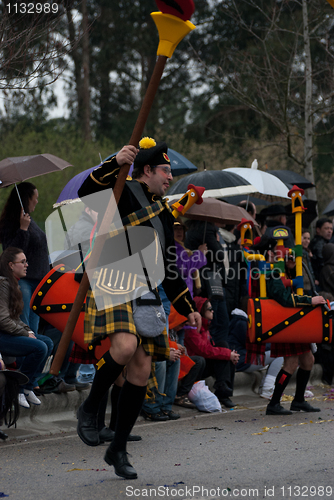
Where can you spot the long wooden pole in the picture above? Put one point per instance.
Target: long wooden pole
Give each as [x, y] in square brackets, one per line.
[108, 217]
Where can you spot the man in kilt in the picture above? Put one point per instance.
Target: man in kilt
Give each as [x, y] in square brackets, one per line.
[152, 173]
[296, 355]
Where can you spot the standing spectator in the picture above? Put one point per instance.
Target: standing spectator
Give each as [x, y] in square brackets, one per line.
[17, 338]
[205, 232]
[327, 271]
[276, 215]
[307, 256]
[324, 231]
[236, 274]
[18, 229]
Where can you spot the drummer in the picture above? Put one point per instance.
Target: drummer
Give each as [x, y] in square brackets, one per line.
[296, 355]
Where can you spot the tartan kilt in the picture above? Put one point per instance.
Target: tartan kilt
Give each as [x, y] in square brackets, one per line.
[120, 319]
[287, 350]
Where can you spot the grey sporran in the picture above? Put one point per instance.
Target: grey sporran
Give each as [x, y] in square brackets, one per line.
[148, 313]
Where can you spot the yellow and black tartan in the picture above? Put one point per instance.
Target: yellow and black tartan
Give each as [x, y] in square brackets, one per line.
[110, 320]
[120, 319]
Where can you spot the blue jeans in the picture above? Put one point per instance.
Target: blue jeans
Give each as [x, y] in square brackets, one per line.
[167, 373]
[28, 317]
[34, 351]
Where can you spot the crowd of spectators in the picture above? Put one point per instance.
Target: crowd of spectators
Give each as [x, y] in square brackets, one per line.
[211, 263]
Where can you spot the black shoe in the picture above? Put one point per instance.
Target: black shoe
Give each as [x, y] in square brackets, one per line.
[304, 406]
[227, 403]
[3, 436]
[171, 414]
[120, 461]
[87, 427]
[63, 388]
[49, 386]
[106, 434]
[156, 417]
[277, 409]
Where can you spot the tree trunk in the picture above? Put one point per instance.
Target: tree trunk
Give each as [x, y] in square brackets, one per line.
[308, 143]
[85, 79]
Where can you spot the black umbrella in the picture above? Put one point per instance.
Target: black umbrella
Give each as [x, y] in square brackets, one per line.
[217, 184]
[291, 178]
[329, 210]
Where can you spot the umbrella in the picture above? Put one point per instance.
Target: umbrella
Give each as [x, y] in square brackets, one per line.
[268, 186]
[291, 178]
[217, 183]
[329, 210]
[179, 165]
[216, 211]
[21, 168]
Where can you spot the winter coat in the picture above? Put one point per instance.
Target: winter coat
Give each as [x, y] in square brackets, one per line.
[327, 272]
[316, 246]
[14, 327]
[201, 343]
[188, 263]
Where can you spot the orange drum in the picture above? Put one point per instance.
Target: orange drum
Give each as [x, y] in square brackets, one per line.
[268, 321]
[53, 300]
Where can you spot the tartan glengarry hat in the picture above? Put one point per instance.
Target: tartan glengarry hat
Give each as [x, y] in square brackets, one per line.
[151, 153]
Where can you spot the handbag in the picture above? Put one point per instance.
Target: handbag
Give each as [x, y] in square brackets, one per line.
[148, 313]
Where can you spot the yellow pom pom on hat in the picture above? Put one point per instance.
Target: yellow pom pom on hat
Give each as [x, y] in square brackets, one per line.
[151, 153]
[147, 143]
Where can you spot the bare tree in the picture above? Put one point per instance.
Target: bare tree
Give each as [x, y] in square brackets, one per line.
[281, 69]
[31, 44]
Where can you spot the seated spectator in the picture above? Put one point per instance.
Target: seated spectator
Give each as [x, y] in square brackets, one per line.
[219, 361]
[163, 380]
[324, 231]
[16, 338]
[237, 341]
[10, 380]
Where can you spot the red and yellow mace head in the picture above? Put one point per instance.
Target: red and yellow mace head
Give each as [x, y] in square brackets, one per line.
[296, 194]
[193, 195]
[246, 231]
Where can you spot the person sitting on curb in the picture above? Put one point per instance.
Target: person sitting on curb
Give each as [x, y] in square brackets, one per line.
[219, 361]
[16, 338]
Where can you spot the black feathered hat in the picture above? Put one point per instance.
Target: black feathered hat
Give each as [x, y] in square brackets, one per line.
[151, 153]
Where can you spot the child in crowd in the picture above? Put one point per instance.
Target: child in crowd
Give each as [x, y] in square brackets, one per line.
[219, 361]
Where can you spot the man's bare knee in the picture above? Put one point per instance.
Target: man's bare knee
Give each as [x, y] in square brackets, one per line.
[306, 361]
[290, 364]
[139, 368]
[123, 347]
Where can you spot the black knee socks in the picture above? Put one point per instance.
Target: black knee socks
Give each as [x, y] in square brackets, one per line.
[129, 405]
[282, 381]
[107, 372]
[114, 395]
[302, 378]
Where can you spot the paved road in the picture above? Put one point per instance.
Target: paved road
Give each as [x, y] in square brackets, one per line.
[238, 454]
